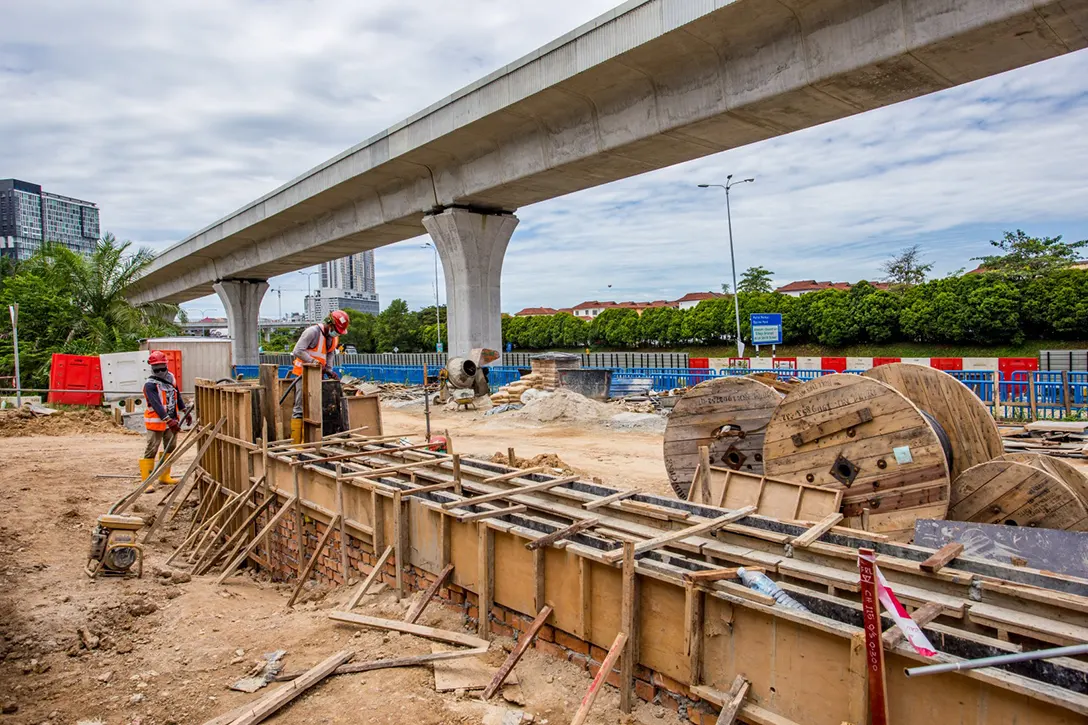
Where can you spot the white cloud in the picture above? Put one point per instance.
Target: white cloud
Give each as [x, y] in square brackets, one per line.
[174, 113]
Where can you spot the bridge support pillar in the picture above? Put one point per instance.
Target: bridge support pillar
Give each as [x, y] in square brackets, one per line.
[242, 300]
[472, 246]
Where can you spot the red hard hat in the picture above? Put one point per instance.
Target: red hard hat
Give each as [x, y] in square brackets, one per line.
[340, 321]
[157, 357]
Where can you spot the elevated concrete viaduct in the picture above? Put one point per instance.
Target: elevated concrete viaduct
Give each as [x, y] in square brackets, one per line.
[647, 85]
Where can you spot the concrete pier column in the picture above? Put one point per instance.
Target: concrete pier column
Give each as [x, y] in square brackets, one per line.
[472, 246]
[242, 301]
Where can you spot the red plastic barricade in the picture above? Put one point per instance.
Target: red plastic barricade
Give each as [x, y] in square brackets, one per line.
[946, 363]
[173, 364]
[75, 372]
[838, 364]
[784, 363]
[699, 362]
[1010, 365]
[884, 361]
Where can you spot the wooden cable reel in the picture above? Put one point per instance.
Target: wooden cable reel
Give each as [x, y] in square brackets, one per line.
[729, 416]
[971, 429]
[1066, 472]
[862, 436]
[1006, 491]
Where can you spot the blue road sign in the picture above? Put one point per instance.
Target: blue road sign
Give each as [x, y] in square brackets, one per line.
[766, 328]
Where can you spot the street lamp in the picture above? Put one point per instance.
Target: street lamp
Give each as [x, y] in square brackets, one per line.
[437, 318]
[309, 290]
[729, 184]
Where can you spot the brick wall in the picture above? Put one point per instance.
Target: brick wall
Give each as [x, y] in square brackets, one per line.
[650, 686]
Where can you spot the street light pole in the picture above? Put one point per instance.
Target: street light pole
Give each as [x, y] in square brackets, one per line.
[437, 318]
[729, 184]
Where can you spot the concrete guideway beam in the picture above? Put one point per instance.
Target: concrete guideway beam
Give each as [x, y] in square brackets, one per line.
[472, 246]
[242, 300]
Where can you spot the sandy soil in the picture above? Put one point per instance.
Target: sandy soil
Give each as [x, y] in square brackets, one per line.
[165, 649]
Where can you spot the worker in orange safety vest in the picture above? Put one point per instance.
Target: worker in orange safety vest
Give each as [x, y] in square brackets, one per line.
[314, 347]
[161, 417]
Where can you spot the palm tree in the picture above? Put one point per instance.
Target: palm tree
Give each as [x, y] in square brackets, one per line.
[108, 321]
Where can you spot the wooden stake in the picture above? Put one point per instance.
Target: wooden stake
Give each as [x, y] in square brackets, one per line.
[374, 574]
[589, 506]
[816, 531]
[693, 630]
[485, 577]
[524, 642]
[417, 609]
[628, 618]
[253, 544]
[545, 541]
[702, 477]
[236, 539]
[393, 662]
[1067, 394]
[1032, 396]
[703, 528]
[398, 543]
[538, 579]
[273, 701]
[343, 523]
[477, 516]
[730, 709]
[457, 474]
[602, 674]
[169, 498]
[313, 559]
[713, 575]
[532, 488]
[942, 557]
[395, 625]
[301, 554]
[511, 458]
[445, 540]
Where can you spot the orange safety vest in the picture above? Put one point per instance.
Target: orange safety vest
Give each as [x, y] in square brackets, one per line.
[320, 353]
[168, 394]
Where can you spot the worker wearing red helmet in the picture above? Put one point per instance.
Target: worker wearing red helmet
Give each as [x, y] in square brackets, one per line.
[314, 347]
[161, 416]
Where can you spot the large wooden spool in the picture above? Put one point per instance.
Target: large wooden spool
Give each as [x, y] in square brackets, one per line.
[861, 436]
[1017, 494]
[729, 416]
[971, 429]
[1064, 471]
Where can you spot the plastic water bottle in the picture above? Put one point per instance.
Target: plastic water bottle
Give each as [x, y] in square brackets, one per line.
[760, 582]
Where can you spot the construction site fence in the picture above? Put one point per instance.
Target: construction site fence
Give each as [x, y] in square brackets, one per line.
[509, 359]
[1046, 394]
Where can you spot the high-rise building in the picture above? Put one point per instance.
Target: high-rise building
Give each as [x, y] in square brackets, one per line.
[30, 216]
[346, 283]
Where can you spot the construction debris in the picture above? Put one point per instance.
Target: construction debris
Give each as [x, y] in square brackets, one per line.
[76, 421]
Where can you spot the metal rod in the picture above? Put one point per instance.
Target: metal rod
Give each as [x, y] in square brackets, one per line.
[1039, 654]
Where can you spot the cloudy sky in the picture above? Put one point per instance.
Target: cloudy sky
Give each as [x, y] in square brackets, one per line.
[174, 113]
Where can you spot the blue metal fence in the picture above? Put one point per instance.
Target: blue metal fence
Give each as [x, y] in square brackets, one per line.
[1022, 396]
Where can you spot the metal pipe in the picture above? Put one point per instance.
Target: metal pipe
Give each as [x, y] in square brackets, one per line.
[1039, 654]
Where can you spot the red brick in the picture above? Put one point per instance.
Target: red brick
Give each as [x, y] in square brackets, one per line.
[547, 633]
[571, 642]
[502, 630]
[667, 683]
[498, 613]
[551, 650]
[669, 700]
[472, 611]
[700, 717]
[580, 660]
[597, 653]
[645, 690]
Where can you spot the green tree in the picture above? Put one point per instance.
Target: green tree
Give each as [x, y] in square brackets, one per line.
[538, 332]
[755, 279]
[877, 316]
[710, 321]
[397, 328]
[906, 268]
[1024, 257]
[568, 331]
[363, 332]
[616, 327]
[831, 318]
[69, 303]
[655, 325]
[1056, 305]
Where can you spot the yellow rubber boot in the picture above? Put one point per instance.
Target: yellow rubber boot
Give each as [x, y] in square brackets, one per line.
[164, 476]
[296, 430]
[147, 465]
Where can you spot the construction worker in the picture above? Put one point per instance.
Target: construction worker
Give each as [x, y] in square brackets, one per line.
[161, 417]
[314, 346]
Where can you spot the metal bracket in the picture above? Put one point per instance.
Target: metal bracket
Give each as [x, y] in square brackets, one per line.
[844, 470]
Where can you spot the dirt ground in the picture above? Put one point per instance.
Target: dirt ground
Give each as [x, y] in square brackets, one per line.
[163, 650]
[619, 458]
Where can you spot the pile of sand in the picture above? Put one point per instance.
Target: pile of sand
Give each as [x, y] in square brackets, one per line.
[74, 421]
[549, 460]
[562, 406]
